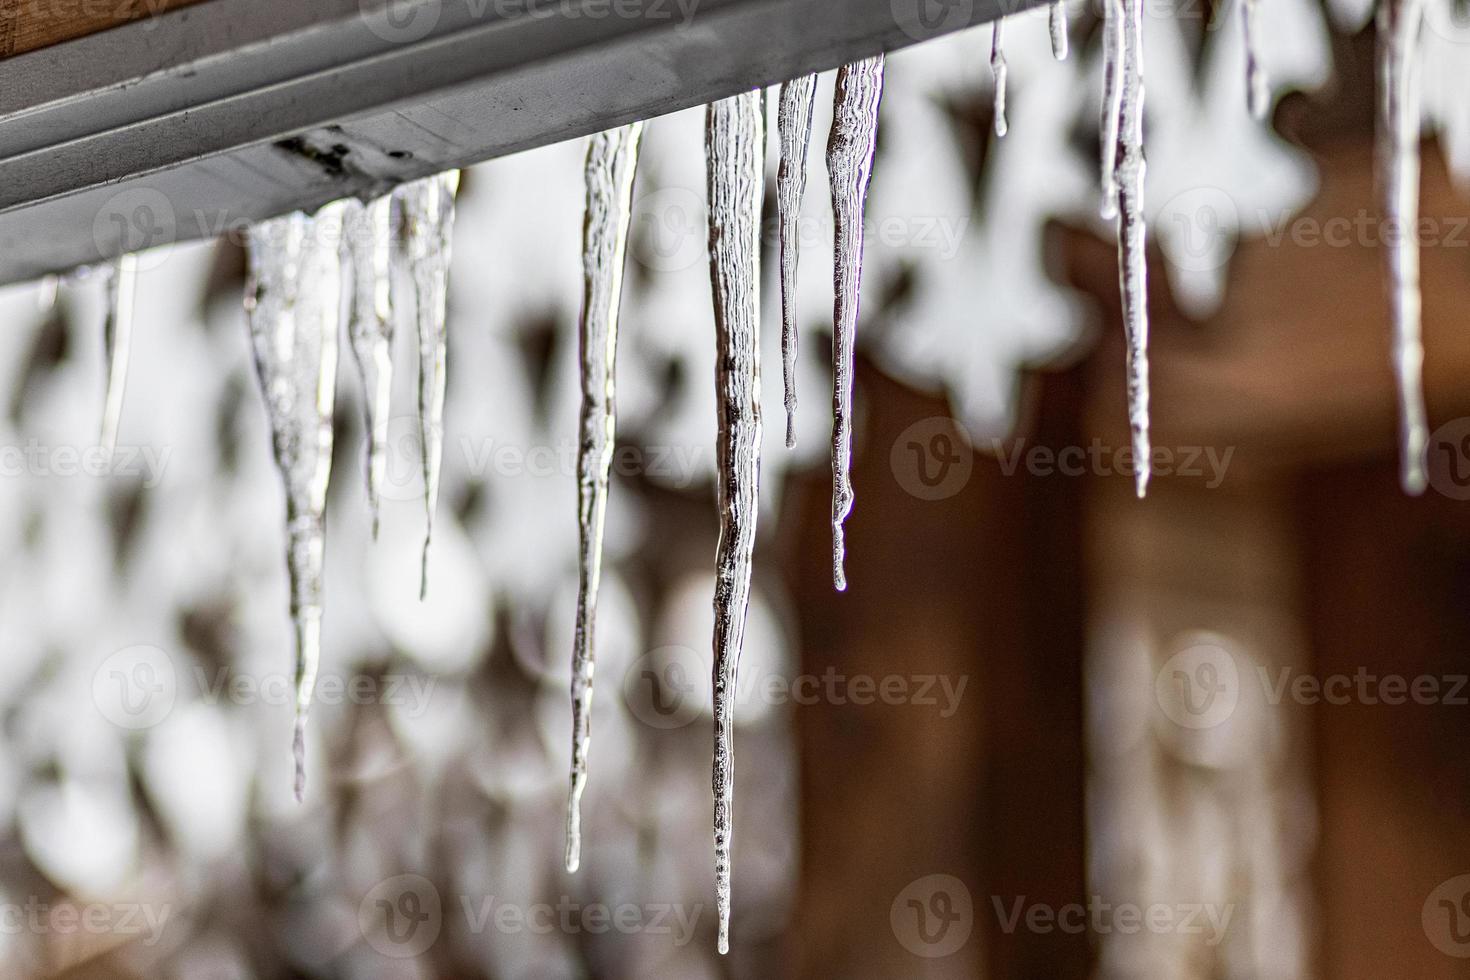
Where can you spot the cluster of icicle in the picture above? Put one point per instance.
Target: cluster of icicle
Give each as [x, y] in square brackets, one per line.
[301, 264]
[299, 267]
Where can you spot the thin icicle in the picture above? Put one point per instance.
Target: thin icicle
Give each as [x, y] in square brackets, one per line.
[48, 288]
[850, 149]
[1398, 160]
[1257, 88]
[999, 70]
[368, 230]
[117, 333]
[612, 159]
[1132, 236]
[794, 125]
[1058, 30]
[293, 301]
[1112, 103]
[428, 224]
[734, 146]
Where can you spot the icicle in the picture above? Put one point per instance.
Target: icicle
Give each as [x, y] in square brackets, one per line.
[293, 301]
[734, 145]
[48, 287]
[850, 165]
[117, 332]
[998, 69]
[1112, 103]
[1058, 30]
[368, 230]
[428, 224]
[1257, 90]
[1132, 236]
[794, 125]
[612, 159]
[1398, 152]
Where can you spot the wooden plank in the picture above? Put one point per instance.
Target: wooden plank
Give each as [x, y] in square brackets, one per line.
[29, 25]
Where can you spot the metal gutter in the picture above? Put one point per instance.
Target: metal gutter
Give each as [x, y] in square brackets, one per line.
[199, 120]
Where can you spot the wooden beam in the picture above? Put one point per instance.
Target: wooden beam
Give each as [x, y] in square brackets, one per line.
[29, 25]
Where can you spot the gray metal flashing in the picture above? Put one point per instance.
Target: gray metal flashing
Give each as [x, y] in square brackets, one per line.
[197, 121]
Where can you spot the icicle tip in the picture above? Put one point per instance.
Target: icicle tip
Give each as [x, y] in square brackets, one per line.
[298, 752]
[574, 827]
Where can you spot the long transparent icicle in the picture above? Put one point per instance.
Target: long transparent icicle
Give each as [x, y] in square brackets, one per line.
[849, 165]
[1398, 160]
[734, 146]
[1058, 30]
[293, 302]
[1112, 103]
[612, 159]
[428, 225]
[1127, 178]
[794, 125]
[368, 230]
[999, 70]
[1257, 88]
[117, 334]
